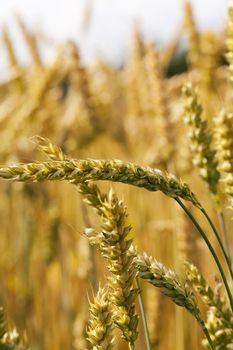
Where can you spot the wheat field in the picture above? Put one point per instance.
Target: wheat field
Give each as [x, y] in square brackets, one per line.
[116, 196]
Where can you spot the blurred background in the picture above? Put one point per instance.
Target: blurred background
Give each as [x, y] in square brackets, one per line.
[104, 27]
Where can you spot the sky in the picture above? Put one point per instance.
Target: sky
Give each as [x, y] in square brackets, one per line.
[110, 22]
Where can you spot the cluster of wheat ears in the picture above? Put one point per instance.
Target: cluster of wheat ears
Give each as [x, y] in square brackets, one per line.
[70, 281]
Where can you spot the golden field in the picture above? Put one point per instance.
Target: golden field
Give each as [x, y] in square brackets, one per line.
[70, 277]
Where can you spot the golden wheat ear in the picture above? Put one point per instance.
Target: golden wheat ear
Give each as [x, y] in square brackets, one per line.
[114, 246]
[179, 291]
[204, 156]
[219, 317]
[224, 146]
[78, 171]
[100, 327]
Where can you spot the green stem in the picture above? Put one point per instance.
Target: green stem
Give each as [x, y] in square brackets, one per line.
[205, 330]
[210, 248]
[143, 314]
[226, 256]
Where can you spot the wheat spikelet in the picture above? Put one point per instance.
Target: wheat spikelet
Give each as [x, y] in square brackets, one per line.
[52, 151]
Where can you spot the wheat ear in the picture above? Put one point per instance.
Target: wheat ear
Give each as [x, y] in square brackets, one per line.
[96, 200]
[100, 327]
[81, 171]
[158, 275]
[114, 246]
[78, 171]
[224, 144]
[219, 316]
[204, 156]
